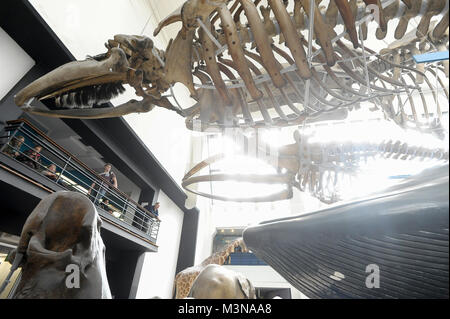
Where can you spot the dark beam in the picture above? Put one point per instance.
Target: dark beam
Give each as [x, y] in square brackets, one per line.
[188, 240]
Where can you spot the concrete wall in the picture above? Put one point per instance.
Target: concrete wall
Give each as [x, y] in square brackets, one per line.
[158, 270]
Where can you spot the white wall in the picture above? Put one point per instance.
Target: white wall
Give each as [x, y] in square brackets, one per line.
[14, 63]
[205, 232]
[84, 26]
[158, 270]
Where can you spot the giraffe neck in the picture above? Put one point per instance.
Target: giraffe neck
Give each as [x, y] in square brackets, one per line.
[221, 256]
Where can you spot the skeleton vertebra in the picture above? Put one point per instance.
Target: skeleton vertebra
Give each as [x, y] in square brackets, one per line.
[316, 165]
[322, 166]
[280, 87]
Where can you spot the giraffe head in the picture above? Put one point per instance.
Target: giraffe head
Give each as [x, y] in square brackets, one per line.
[231, 248]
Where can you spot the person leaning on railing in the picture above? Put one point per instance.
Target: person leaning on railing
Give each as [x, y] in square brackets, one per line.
[154, 209]
[145, 218]
[109, 176]
[13, 148]
[105, 205]
[50, 172]
[31, 157]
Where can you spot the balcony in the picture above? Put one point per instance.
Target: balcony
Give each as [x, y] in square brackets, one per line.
[57, 169]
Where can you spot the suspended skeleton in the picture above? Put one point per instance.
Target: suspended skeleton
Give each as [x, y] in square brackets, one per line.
[322, 166]
[240, 75]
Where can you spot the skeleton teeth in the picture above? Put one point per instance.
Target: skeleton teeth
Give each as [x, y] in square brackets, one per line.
[86, 97]
[71, 98]
[78, 101]
[58, 101]
[63, 99]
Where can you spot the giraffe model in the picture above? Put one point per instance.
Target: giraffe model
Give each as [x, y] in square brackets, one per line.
[185, 278]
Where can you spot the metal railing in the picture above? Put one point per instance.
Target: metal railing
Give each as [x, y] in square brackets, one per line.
[72, 174]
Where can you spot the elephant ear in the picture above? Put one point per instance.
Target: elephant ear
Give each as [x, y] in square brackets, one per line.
[246, 287]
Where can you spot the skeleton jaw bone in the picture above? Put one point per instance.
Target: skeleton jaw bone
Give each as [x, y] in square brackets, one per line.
[75, 75]
[90, 74]
[129, 107]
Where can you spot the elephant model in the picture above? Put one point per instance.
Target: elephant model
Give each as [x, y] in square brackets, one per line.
[217, 282]
[61, 252]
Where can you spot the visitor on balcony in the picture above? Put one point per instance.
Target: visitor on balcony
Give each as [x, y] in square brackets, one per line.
[106, 206]
[31, 157]
[13, 148]
[50, 172]
[154, 209]
[142, 219]
[110, 177]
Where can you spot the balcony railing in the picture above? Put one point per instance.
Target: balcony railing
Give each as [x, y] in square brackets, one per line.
[72, 174]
